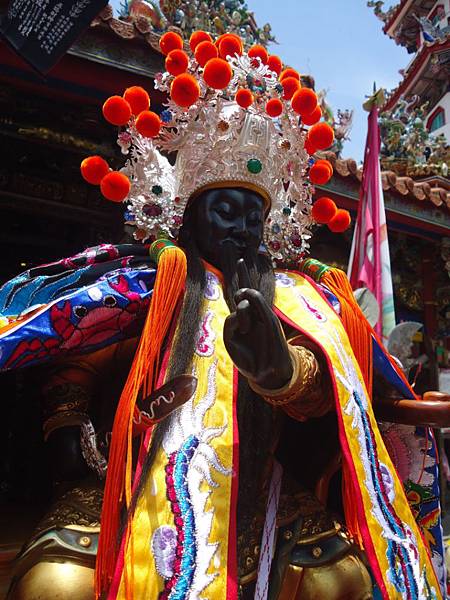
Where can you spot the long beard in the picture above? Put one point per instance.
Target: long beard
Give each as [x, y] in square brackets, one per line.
[259, 269]
[255, 417]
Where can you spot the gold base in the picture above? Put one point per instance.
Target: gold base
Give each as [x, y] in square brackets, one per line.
[55, 581]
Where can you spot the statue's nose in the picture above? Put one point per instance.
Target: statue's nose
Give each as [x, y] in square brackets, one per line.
[240, 228]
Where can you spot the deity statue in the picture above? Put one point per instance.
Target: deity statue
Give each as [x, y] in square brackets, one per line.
[242, 458]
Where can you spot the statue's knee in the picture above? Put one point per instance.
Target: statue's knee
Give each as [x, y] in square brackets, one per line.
[54, 580]
[345, 579]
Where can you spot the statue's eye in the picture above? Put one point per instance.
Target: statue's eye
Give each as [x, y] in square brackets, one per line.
[80, 311]
[224, 210]
[254, 218]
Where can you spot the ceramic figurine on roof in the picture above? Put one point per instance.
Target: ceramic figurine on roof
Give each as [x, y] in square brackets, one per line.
[234, 491]
[408, 148]
[377, 6]
[341, 127]
[213, 16]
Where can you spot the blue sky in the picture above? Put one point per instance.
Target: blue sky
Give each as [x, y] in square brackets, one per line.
[341, 44]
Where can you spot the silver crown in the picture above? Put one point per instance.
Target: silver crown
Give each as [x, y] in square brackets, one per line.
[218, 143]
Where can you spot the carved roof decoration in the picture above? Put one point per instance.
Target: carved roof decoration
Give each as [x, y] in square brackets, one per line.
[401, 22]
[138, 29]
[432, 189]
[427, 74]
[139, 24]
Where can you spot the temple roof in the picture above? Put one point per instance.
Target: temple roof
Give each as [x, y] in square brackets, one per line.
[138, 28]
[431, 189]
[426, 76]
[402, 25]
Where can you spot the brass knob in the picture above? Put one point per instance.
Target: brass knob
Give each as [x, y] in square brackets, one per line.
[85, 541]
[317, 552]
[287, 534]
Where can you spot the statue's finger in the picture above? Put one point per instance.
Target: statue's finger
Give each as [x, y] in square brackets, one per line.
[257, 304]
[244, 316]
[243, 274]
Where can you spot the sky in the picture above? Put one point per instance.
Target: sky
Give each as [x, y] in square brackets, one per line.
[342, 45]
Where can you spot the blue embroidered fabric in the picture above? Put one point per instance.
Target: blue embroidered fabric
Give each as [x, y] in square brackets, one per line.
[76, 305]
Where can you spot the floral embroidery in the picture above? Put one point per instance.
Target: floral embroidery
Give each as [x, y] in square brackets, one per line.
[283, 280]
[212, 287]
[206, 336]
[164, 544]
[407, 451]
[314, 311]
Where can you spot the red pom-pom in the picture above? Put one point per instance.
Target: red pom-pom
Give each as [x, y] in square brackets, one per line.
[290, 86]
[116, 110]
[148, 124]
[224, 35]
[170, 41]
[217, 73]
[184, 90]
[340, 222]
[325, 163]
[274, 107]
[289, 73]
[93, 169]
[115, 186]
[259, 51]
[197, 37]
[321, 135]
[205, 51]
[323, 210]
[321, 172]
[230, 45]
[244, 97]
[137, 98]
[304, 101]
[177, 62]
[309, 147]
[313, 118]
[274, 63]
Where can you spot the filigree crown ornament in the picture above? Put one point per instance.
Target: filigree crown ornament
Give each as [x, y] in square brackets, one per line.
[233, 119]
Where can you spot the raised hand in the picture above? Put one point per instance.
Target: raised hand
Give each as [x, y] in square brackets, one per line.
[254, 337]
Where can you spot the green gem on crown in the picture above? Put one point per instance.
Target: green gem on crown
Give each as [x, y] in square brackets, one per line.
[254, 166]
[157, 190]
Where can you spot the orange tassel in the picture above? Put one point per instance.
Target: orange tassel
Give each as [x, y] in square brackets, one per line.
[169, 285]
[359, 334]
[355, 323]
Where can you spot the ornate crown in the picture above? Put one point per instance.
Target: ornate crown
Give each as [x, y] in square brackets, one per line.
[233, 118]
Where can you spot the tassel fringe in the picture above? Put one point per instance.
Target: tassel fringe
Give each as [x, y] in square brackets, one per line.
[169, 285]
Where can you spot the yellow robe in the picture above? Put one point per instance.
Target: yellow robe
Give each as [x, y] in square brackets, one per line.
[182, 536]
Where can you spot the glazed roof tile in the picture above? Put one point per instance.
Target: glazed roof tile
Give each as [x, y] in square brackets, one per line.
[433, 189]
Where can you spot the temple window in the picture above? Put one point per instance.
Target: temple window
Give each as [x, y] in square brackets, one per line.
[436, 119]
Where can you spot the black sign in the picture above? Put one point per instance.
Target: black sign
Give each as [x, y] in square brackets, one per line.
[41, 31]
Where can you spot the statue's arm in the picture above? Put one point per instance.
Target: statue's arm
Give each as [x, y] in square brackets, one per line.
[67, 394]
[308, 393]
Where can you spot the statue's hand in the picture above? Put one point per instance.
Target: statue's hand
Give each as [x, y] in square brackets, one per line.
[254, 337]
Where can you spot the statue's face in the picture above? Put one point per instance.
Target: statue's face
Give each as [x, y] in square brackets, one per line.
[227, 216]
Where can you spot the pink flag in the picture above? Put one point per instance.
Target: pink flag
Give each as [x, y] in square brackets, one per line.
[369, 264]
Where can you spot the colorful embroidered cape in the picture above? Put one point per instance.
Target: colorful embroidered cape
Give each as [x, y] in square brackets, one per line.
[100, 296]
